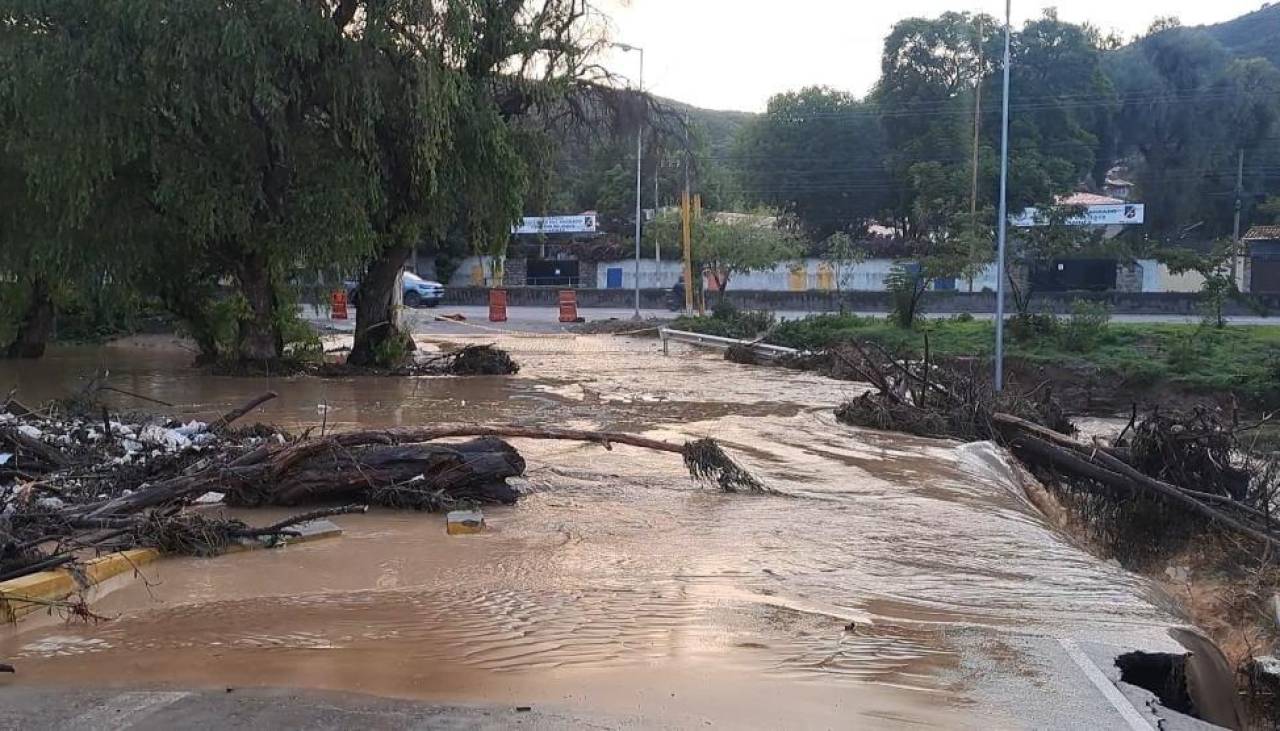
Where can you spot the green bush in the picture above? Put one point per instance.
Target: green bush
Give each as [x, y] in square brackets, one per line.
[394, 351]
[727, 321]
[820, 331]
[1142, 371]
[1087, 326]
[906, 291]
[1027, 328]
[1184, 353]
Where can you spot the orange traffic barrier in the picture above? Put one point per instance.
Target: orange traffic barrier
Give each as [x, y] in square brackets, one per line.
[339, 305]
[497, 305]
[568, 306]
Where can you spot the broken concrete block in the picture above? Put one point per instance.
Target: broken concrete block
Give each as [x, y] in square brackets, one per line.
[464, 522]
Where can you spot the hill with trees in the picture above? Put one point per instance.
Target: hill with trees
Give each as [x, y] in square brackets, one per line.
[1255, 35]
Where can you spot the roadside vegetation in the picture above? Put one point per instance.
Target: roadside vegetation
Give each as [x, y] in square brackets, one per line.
[1201, 358]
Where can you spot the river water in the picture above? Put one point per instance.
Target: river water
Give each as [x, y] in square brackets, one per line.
[899, 581]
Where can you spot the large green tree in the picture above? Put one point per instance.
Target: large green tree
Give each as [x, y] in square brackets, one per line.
[232, 125]
[514, 62]
[934, 71]
[817, 155]
[1188, 112]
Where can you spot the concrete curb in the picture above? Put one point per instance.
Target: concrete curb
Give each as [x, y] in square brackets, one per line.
[23, 596]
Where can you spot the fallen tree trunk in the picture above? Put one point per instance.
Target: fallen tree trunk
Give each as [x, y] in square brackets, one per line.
[474, 470]
[1094, 463]
[343, 465]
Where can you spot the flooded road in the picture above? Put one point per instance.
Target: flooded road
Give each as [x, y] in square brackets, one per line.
[899, 582]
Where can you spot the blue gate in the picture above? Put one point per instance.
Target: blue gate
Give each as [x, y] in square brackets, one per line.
[613, 278]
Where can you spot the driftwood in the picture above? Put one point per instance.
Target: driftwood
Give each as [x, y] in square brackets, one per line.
[30, 455]
[1095, 463]
[473, 470]
[341, 466]
[236, 413]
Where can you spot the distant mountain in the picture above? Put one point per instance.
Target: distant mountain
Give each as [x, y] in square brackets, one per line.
[720, 126]
[1254, 35]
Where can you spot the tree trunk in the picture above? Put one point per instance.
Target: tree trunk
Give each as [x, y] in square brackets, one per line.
[260, 338]
[36, 326]
[188, 304]
[376, 321]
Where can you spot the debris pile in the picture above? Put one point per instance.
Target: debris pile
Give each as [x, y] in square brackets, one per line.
[473, 360]
[1176, 474]
[930, 400]
[71, 487]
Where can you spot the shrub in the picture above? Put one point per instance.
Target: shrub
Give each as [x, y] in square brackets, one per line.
[1025, 328]
[1184, 352]
[906, 290]
[1141, 372]
[816, 332]
[1086, 327]
[728, 322]
[393, 351]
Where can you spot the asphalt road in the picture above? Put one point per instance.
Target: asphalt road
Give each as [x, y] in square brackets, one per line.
[1081, 689]
[161, 710]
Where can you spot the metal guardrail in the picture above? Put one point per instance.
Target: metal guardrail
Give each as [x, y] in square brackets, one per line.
[713, 341]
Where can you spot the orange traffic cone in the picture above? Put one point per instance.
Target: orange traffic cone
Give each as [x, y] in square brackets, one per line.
[568, 306]
[339, 305]
[497, 305]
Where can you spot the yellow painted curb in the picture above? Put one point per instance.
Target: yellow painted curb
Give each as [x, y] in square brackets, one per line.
[58, 584]
[22, 596]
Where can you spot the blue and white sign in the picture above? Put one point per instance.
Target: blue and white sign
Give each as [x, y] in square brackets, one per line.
[584, 223]
[1118, 214]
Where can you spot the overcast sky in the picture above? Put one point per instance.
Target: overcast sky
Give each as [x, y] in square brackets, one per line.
[735, 54]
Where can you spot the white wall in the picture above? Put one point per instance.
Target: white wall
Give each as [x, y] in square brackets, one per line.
[1156, 277]
[653, 274]
[867, 276]
[467, 275]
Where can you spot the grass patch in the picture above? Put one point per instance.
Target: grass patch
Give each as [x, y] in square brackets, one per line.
[1242, 360]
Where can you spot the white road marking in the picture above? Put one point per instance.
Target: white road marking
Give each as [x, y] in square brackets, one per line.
[1108, 689]
[122, 711]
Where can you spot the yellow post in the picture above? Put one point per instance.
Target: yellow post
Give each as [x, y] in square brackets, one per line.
[697, 215]
[686, 224]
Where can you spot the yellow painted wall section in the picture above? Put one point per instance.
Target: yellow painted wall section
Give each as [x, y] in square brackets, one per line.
[826, 277]
[798, 279]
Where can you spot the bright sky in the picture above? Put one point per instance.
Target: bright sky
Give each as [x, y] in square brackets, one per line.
[735, 54]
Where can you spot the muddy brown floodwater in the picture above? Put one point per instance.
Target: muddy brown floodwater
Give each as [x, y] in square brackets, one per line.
[903, 581]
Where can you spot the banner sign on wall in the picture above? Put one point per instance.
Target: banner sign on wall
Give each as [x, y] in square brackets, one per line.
[1119, 214]
[584, 223]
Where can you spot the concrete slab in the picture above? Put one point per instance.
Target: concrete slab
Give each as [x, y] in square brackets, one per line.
[314, 530]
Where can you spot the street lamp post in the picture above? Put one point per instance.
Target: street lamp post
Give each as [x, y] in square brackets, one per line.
[1003, 223]
[639, 159]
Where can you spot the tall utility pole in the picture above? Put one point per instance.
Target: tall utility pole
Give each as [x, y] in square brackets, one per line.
[977, 129]
[657, 245]
[1236, 254]
[1004, 201]
[687, 211]
[639, 160]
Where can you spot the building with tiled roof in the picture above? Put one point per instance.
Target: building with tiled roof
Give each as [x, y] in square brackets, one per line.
[1262, 260]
